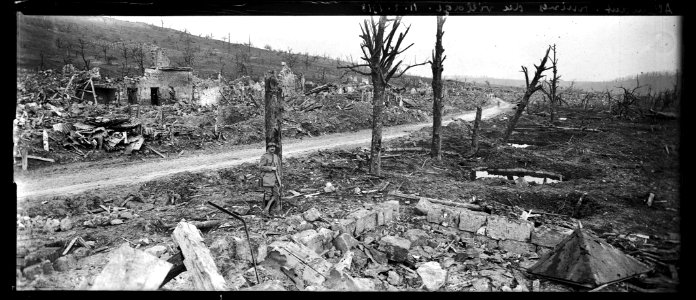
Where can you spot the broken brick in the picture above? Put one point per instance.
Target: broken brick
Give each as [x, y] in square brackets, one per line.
[47, 267]
[297, 256]
[502, 228]
[345, 242]
[344, 226]
[549, 236]
[65, 263]
[33, 271]
[365, 220]
[433, 275]
[423, 207]
[444, 216]
[311, 215]
[488, 242]
[157, 250]
[395, 247]
[315, 240]
[471, 221]
[417, 237]
[241, 248]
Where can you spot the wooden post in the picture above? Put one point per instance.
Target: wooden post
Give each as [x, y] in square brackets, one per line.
[475, 133]
[45, 140]
[197, 258]
[25, 162]
[273, 111]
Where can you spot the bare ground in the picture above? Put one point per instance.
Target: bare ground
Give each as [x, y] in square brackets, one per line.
[616, 169]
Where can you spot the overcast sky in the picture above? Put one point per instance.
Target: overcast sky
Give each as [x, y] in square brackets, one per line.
[590, 48]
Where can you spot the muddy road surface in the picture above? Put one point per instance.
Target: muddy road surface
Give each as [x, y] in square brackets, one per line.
[81, 177]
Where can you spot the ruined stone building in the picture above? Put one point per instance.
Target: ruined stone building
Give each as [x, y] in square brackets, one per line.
[162, 83]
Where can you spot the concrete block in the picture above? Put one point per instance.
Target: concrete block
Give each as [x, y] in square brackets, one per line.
[344, 226]
[365, 220]
[549, 235]
[502, 228]
[516, 246]
[470, 220]
[395, 247]
[444, 216]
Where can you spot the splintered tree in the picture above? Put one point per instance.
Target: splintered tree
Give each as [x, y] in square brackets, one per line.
[551, 89]
[82, 44]
[531, 88]
[124, 51]
[274, 113]
[138, 54]
[436, 66]
[379, 55]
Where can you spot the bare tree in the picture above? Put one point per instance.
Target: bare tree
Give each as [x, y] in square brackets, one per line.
[104, 47]
[188, 51]
[531, 88]
[551, 89]
[291, 58]
[138, 53]
[82, 44]
[41, 55]
[379, 55]
[123, 49]
[436, 66]
[66, 49]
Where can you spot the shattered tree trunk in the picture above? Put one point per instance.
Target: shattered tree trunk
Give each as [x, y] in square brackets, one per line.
[532, 87]
[475, 133]
[376, 145]
[274, 116]
[436, 66]
[197, 258]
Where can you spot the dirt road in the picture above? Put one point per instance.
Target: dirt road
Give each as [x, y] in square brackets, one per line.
[77, 178]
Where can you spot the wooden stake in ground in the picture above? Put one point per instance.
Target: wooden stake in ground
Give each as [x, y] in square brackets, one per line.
[531, 88]
[25, 161]
[475, 132]
[132, 269]
[197, 258]
[45, 140]
[436, 66]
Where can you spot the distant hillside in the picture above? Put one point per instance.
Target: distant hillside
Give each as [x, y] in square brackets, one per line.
[51, 41]
[657, 81]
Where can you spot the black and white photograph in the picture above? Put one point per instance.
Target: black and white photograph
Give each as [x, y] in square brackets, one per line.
[399, 147]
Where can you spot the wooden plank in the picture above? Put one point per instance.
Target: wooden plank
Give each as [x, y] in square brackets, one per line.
[197, 258]
[131, 269]
[157, 152]
[91, 83]
[443, 202]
